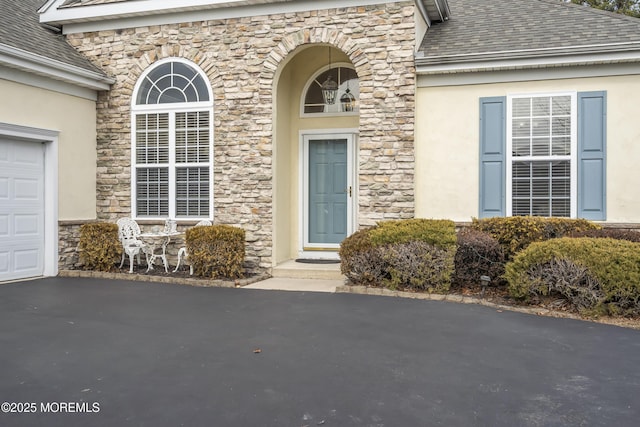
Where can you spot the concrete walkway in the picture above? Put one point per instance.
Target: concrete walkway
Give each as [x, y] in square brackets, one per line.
[300, 285]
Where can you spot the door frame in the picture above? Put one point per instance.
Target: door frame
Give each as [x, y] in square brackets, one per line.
[316, 250]
[50, 140]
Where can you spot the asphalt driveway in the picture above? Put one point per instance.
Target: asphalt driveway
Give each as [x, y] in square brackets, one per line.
[89, 352]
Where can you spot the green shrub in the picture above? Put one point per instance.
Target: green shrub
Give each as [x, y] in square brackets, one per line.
[414, 254]
[517, 232]
[216, 251]
[99, 246]
[436, 232]
[613, 264]
[478, 254]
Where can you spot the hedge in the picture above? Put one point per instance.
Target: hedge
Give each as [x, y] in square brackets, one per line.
[216, 251]
[99, 246]
[517, 232]
[415, 254]
[608, 268]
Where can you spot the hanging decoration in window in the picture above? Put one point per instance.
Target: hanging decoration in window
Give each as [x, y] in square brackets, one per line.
[346, 83]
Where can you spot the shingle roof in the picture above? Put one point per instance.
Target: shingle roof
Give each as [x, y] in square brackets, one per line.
[506, 29]
[72, 3]
[21, 29]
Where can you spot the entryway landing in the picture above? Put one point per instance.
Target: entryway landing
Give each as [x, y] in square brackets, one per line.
[304, 270]
[302, 277]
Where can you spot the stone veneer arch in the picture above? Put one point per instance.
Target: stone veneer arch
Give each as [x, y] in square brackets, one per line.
[241, 57]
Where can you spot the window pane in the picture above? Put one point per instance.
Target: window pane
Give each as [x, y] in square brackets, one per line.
[541, 127]
[521, 127]
[561, 146]
[539, 186]
[561, 126]
[152, 192]
[521, 107]
[173, 82]
[192, 192]
[541, 106]
[561, 105]
[540, 147]
[346, 78]
[521, 147]
[152, 138]
[192, 137]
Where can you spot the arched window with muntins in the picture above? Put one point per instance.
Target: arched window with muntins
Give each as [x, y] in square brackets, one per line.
[348, 84]
[172, 143]
[172, 82]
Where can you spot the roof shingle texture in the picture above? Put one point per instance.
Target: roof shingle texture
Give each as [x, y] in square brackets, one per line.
[506, 28]
[71, 3]
[20, 28]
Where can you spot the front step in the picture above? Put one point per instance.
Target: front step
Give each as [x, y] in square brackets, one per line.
[297, 270]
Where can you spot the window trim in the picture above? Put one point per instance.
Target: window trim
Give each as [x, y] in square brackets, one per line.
[171, 109]
[312, 79]
[573, 157]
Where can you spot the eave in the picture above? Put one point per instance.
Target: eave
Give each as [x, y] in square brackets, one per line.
[12, 57]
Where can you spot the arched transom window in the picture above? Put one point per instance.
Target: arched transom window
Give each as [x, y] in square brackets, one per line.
[172, 135]
[348, 89]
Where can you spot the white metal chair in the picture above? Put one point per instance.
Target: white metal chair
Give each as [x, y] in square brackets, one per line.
[128, 232]
[183, 256]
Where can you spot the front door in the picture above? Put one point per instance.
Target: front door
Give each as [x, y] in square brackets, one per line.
[328, 191]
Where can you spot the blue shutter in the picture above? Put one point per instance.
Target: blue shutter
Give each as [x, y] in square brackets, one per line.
[492, 156]
[592, 139]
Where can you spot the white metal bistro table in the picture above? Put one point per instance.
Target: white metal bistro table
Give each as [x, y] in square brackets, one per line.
[157, 243]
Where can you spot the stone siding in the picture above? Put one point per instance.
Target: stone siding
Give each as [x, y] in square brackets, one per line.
[241, 58]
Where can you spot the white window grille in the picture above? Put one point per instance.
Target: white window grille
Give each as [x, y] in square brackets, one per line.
[541, 150]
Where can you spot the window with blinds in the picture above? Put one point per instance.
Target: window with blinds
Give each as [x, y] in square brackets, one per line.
[541, 146]
[172, 133]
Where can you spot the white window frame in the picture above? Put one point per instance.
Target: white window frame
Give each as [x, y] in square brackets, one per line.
[573, 158]
[172, 165]
[313, 79]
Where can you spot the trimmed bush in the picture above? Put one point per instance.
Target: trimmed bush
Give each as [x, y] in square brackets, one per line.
[436, 232]
[517, 232]
[610, 233]
[99, 246]
[611, 273]
[216, 251]
[478, 254]
[417, 266]
[414, 254]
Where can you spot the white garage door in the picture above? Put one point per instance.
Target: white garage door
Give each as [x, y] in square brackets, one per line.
[21, 209]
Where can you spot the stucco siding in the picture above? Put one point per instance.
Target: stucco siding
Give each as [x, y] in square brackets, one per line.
[75, 119]
[447, 137]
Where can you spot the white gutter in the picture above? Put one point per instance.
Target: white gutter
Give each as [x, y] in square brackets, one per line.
[57, 70]
[523, 63]
[595, 48]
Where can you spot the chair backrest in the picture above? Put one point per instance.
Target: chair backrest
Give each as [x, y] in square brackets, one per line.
[128, 229]
[202, 223]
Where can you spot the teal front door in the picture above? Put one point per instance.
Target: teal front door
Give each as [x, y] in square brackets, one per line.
[328, 189]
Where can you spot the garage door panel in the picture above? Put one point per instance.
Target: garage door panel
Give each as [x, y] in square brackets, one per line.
[27, 260]
[4, 153]
[4, 225]
[26, 225]
[27, 189]
[4, 188]
[21, 209]
[28, 154]
[4, 262]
